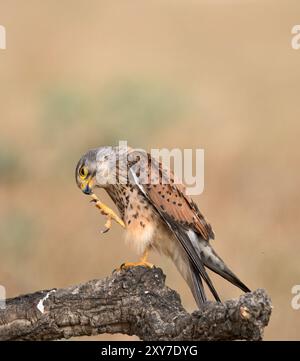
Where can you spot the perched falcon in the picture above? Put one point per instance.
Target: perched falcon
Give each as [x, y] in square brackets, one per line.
[155, 212]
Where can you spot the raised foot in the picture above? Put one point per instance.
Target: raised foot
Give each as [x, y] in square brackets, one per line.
[108, 212]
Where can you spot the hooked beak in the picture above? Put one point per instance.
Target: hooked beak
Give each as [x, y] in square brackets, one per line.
[87, 187]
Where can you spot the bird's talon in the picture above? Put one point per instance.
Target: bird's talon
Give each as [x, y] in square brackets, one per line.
[127, 265]
[118, 269]
[106, 211]
[107, 225]
[105, 230]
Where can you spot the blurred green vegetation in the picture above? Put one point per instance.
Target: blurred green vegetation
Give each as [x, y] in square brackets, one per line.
[122, 110]
[61, 107]
[136, 110]
[11, 169]
[74, 121]
[17, 230]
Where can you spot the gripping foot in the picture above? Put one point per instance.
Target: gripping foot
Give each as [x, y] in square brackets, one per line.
[142, 262]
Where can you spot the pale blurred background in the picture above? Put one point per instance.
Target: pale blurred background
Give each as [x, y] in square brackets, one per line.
[217, 74]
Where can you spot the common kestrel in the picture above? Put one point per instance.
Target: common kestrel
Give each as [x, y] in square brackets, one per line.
[156, 213]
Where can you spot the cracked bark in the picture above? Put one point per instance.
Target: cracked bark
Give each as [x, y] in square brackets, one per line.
[132, 302]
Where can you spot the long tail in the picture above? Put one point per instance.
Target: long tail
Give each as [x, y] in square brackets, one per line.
[212, 261]
[191, 259]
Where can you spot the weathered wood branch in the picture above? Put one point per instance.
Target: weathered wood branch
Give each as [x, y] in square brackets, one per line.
[132, 302]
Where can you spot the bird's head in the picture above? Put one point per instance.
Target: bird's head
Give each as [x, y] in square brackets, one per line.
[86, 170]
[97, 168]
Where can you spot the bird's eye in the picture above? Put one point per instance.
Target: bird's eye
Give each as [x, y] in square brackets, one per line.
[83, 172]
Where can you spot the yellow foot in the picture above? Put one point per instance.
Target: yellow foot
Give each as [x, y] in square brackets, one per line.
[142, 262]
[128, 265]
[109, 213]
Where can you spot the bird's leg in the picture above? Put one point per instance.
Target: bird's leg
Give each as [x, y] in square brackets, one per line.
[109, 213]
[142, 262]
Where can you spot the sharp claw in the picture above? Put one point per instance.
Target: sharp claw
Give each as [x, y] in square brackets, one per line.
[107, 225]
[105, 230]
[107, 212]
